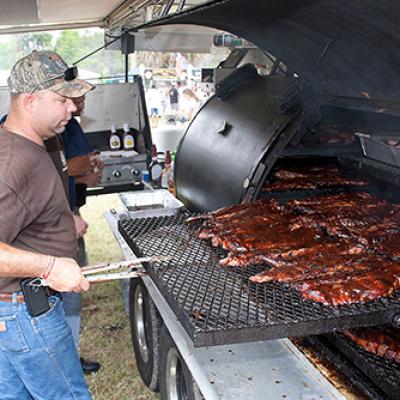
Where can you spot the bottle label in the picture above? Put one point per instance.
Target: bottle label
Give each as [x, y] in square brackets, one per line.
[156, 172]
[115, 142]
[128, 142]
[165, 179]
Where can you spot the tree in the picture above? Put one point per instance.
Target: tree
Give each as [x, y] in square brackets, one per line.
[104, 62]
[8, 54]
[68, 45]
[22, 44]
[73, 45]
[27, 42]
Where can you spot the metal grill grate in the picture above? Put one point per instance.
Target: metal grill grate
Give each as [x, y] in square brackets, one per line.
[376, 169]
[287, 195]
[383, 372]
[220, 306]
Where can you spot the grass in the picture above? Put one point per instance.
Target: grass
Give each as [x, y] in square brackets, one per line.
[105, 333]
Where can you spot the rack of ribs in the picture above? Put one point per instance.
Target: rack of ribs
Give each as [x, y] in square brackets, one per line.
[381, 280]
[336, 134]
[382, 341]
[319, 267]
[337, 249]
[308, 177]
[237, 211]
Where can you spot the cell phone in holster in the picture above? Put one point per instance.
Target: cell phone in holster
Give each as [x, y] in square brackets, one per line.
[36, 298]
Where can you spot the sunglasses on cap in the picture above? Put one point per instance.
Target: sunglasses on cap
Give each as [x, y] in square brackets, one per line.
[69, 74]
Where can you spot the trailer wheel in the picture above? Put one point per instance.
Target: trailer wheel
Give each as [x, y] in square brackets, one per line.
[176, 381]
[145, 329]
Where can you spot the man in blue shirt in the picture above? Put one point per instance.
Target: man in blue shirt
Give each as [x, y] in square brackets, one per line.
[86, 171]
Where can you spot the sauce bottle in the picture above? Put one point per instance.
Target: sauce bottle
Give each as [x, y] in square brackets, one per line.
[171, 182]
[167, 172]
[155, 169]
[114, 140]
[128, 141]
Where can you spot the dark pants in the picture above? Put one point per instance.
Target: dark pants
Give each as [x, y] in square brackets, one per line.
[72, 302]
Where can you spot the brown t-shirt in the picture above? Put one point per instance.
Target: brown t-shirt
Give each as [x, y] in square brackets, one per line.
[56, 150]
[34, 212]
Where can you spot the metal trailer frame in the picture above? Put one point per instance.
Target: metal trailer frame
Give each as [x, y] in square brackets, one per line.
[258, 370]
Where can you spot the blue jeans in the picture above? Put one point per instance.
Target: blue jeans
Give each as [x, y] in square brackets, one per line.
[38, 358]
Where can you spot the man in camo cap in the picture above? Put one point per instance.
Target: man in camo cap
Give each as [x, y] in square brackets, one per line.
[46, 70]
[38, 358]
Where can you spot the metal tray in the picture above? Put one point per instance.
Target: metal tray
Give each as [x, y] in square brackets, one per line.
[374, 147]
[219, 305]
[327, 351]
[147, 203]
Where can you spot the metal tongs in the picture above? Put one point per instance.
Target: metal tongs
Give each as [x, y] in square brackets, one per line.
[128, 269]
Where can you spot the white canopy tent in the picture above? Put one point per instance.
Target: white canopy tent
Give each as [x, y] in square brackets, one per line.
[42, 15]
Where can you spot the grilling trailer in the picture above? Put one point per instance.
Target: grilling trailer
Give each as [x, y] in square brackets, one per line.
[202, 331]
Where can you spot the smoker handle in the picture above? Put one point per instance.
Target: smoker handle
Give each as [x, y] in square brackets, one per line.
[223, 128]
[235, 80]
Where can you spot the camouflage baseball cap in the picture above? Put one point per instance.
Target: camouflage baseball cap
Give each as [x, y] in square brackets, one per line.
[46, 70]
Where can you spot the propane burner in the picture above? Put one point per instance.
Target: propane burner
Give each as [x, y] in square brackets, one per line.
[122, 167]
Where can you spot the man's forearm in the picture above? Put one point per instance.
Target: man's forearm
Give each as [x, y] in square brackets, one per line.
[16, 263]
[78, 165]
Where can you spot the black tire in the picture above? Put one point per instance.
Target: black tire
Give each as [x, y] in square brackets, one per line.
[145, 324]
[176, 381]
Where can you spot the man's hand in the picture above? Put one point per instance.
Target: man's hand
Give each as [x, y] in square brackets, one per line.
[96, 163]
[94, 177]
[66, 276]
[97, 168]
[80, 226]
[90, 180]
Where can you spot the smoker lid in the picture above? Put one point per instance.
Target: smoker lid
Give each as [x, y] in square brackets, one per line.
[234, 139]
[339, 47]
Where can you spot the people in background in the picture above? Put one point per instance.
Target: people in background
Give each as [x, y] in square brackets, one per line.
[173, 99]
[201, 94]
[154, 104]
[83, 170]
[179, 87]
[190, 103]
[38, 358]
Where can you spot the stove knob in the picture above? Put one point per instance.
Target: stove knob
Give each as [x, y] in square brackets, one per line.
[135, 172]
[116, 174]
